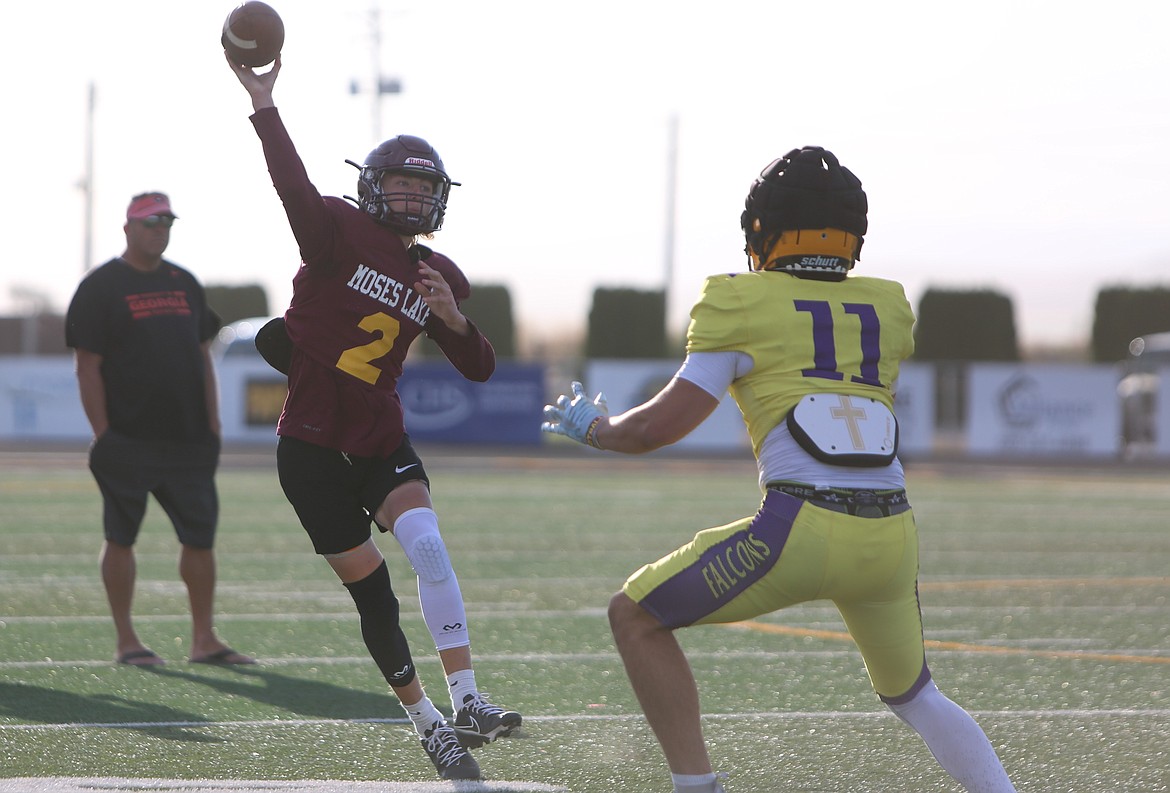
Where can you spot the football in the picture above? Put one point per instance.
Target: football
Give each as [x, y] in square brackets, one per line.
[253, 34]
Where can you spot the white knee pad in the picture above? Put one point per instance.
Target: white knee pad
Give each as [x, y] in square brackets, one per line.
[417, 531]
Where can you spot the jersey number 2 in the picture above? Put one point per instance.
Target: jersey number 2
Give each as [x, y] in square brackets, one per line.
[357, 360]
[825, 345]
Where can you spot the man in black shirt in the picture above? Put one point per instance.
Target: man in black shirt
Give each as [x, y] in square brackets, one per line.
[141, 329]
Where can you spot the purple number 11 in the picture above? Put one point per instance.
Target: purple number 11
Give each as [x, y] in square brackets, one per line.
[825, 347]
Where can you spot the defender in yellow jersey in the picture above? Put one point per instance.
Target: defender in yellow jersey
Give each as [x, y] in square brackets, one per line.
[811, 355]
[803, 337]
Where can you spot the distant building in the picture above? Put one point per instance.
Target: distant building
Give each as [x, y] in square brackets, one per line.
[33, 334]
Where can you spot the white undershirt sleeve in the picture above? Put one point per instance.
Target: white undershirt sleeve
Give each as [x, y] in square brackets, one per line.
[714, 372]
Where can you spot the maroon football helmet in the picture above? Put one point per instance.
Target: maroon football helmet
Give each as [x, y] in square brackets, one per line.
[410, 155]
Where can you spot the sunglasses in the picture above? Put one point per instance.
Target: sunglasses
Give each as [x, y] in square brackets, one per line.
[166, 221]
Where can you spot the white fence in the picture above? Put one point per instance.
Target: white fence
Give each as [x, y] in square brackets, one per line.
[1043, 410]
[1063, 411]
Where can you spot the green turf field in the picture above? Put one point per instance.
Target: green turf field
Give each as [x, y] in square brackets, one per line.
[1045, 595]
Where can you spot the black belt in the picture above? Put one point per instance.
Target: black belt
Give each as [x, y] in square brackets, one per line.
[851, 501]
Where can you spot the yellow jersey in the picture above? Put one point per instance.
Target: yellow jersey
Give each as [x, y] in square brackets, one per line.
[804, 336]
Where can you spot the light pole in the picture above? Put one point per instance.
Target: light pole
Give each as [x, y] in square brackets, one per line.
[86, 185]
[671, 198]
[381, 84]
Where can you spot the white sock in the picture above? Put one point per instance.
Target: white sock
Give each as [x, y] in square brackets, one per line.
[460, 684]
[955, 740]
[423, 714]
[693, 783]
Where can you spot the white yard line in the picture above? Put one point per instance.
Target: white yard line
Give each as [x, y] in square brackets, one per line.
[120, 785]
[824, 715]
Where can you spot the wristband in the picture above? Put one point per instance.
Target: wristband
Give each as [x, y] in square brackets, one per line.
[591, 433]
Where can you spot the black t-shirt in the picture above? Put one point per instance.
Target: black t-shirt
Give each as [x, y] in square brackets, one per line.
[148, 328]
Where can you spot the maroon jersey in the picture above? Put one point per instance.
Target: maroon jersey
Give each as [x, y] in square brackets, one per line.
[354, 314]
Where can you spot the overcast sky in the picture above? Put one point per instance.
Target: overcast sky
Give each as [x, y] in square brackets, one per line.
[1014, 145]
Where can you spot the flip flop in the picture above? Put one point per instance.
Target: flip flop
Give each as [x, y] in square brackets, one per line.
[141, 658]
[225, 657]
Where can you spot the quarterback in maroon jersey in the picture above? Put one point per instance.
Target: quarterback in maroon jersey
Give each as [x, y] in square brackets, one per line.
[365, 290]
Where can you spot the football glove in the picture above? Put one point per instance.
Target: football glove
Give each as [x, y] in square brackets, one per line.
[576, 417]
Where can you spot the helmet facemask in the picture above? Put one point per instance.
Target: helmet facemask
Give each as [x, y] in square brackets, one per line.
[806, 215]
[410, 156]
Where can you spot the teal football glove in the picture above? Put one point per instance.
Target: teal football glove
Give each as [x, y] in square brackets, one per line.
[576, 418]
